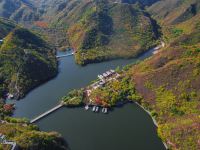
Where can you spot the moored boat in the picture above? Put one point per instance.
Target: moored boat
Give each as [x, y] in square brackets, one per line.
[105, 110]
[94, 108]
[86, 107]
[97, 109]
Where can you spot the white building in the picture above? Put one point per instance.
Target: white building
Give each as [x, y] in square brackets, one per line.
[100, 77]
[113, 71]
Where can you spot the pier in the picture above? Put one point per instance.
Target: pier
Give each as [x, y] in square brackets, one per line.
[60, 56]
[46, 113]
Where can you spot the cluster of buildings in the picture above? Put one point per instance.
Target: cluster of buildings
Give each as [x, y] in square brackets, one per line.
[4, 141]
[103, 79]
[106, 75]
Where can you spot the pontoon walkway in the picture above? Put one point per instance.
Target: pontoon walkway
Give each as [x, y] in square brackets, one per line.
[46, 113]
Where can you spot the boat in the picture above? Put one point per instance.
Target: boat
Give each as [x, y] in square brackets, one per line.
[94, 107]
[105, 110]
[97, 109]
[86, 107]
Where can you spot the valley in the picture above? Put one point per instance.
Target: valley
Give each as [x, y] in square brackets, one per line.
[35, 37]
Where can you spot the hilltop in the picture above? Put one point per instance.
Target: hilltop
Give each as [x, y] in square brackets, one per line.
[97, 30]
[107, 30]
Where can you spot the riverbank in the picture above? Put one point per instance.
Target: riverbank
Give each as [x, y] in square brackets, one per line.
[94, 94]
[110, 89]
[104, 102]
[108, 56]
[153, 119]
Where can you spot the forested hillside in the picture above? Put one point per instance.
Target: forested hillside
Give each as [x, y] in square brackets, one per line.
[175, 11]
[107, 30]
[22, 53]
[26, 61]
[5, 27]
[168, 82]
[21, 11]
[28, 136]
[143, 2]
[118, 28]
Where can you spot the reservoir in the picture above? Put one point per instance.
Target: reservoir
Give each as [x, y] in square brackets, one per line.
[125, 128]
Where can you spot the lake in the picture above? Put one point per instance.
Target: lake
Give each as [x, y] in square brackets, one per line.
[126, 128]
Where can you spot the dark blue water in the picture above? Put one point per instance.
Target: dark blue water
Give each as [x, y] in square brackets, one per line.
[127, 128]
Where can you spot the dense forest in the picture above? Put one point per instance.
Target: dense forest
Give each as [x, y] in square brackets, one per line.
[22, 52]
[110, 30]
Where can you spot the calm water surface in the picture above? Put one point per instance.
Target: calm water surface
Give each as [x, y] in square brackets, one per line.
[126, 128]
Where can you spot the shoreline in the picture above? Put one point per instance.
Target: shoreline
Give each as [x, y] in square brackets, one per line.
[115, 57]
[139, 57]
[153, 119]
[20, 96]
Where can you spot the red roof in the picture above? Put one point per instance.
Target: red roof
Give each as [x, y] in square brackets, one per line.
[98, 101]
[8, 107]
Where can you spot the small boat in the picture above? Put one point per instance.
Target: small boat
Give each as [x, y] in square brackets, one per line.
[94, 107]
[97, 109]
[105, 110]
[86, 107]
